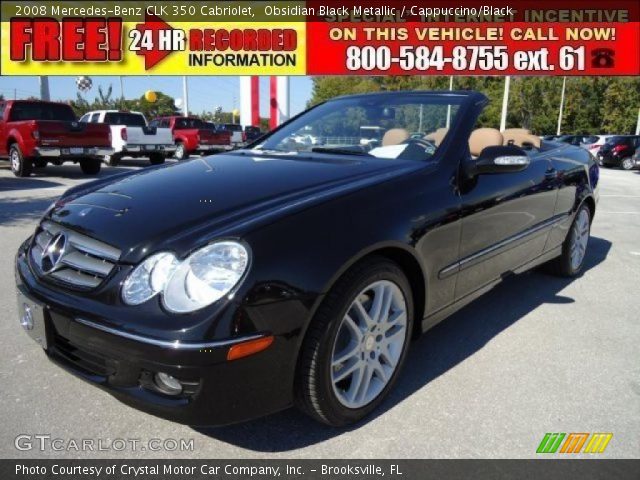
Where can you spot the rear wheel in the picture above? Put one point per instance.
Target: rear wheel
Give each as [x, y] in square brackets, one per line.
[90, 166]
[574, 248]
[20, 166]
[156, 158]
[356, 344]
[627, 163]
[181, 151]
[113, 160]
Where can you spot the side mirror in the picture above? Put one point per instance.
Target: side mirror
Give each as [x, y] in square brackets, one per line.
[501, 159]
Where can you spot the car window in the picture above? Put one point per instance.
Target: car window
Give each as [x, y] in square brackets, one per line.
[393, 127]
[94, 118]
[124, 118]
[41, 111]
[154, 123]
[186, 123]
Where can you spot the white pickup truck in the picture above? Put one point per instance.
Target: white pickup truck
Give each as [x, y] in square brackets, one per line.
[132, 137]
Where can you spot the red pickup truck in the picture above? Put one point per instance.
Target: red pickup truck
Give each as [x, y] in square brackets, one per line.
[33, 133]
[192, 136]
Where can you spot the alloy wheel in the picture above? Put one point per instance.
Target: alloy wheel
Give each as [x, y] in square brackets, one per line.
[369, 344]
[15, 160]
[579, 239]
[627, 164]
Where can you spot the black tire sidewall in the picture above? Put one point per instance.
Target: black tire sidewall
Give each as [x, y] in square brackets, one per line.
[156, 159]
[90, 166]
[334, 412]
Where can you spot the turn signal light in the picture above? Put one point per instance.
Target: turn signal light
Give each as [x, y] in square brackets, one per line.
[250, 347]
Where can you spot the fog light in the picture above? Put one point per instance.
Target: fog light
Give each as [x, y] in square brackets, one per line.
[167, 384]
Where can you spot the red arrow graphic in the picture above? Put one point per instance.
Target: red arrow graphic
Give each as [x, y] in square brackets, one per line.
[153, 24]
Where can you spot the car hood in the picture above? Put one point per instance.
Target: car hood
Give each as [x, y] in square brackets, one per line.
[178, 206]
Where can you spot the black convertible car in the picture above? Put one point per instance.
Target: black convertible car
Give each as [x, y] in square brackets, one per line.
[296, 271]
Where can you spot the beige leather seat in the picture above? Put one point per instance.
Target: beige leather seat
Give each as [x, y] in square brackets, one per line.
[437, 136]
[520, 139]
[482, 138]
[395, 136]
[517, 130]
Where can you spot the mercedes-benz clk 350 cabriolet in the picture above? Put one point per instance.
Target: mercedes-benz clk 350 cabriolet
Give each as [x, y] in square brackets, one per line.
[296, 271]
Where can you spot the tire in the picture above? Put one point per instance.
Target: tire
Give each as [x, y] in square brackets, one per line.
[20, 166]
[626, 163]
[566, 265]
[90, 166]
[331, 343]
[40, 163]
[181, 151]
[113, 160]
[157, 158]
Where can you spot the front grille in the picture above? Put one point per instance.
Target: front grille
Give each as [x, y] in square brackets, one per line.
[83, 263]
[79, 358]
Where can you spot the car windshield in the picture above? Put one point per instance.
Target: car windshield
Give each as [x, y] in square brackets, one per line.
[402, 126]
[41, 111]
[123, 118]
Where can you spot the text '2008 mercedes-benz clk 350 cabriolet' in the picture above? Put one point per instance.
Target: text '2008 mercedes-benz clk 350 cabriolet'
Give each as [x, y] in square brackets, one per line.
[296, 271]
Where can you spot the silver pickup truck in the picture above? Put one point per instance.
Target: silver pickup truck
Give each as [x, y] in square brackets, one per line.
[132, 137]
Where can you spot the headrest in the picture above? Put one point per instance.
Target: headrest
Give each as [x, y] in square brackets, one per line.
[437, 136]
[482, 138]
[395, 136]
[520, 139]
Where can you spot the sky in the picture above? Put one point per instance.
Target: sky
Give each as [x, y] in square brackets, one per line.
[205, 93]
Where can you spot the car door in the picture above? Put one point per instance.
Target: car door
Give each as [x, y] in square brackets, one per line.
[505, 221]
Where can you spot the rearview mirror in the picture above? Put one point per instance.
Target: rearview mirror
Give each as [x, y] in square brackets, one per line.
[500, 159]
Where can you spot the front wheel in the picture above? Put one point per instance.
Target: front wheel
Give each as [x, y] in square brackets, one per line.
[627, 163]
[20, 166]
[90, 166]
[574, 248]
[356, 344]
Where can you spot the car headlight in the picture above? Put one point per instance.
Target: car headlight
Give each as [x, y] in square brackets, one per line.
[201, 279]
[148, 278]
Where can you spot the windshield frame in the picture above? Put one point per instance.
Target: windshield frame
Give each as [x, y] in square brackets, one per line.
[465, 100]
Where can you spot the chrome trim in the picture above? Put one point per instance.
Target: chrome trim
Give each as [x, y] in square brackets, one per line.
[57, 151]
[464, 263]
[176, 345]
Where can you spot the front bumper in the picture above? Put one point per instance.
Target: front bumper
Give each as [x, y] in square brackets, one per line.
[72, 152]
[215, 391]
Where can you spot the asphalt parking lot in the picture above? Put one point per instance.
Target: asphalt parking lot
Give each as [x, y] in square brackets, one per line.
[537, 354]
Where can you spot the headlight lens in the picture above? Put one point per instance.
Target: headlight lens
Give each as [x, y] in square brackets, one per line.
[148, 278]
[203, 278]
[206, 276]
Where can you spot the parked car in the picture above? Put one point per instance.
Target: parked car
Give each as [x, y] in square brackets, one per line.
[132, 137]
[618, 150]
[34, 133]
[593, 143]
[191, 135]
[252, 133]
[636, 158]
[282, 276]
[235, 129]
